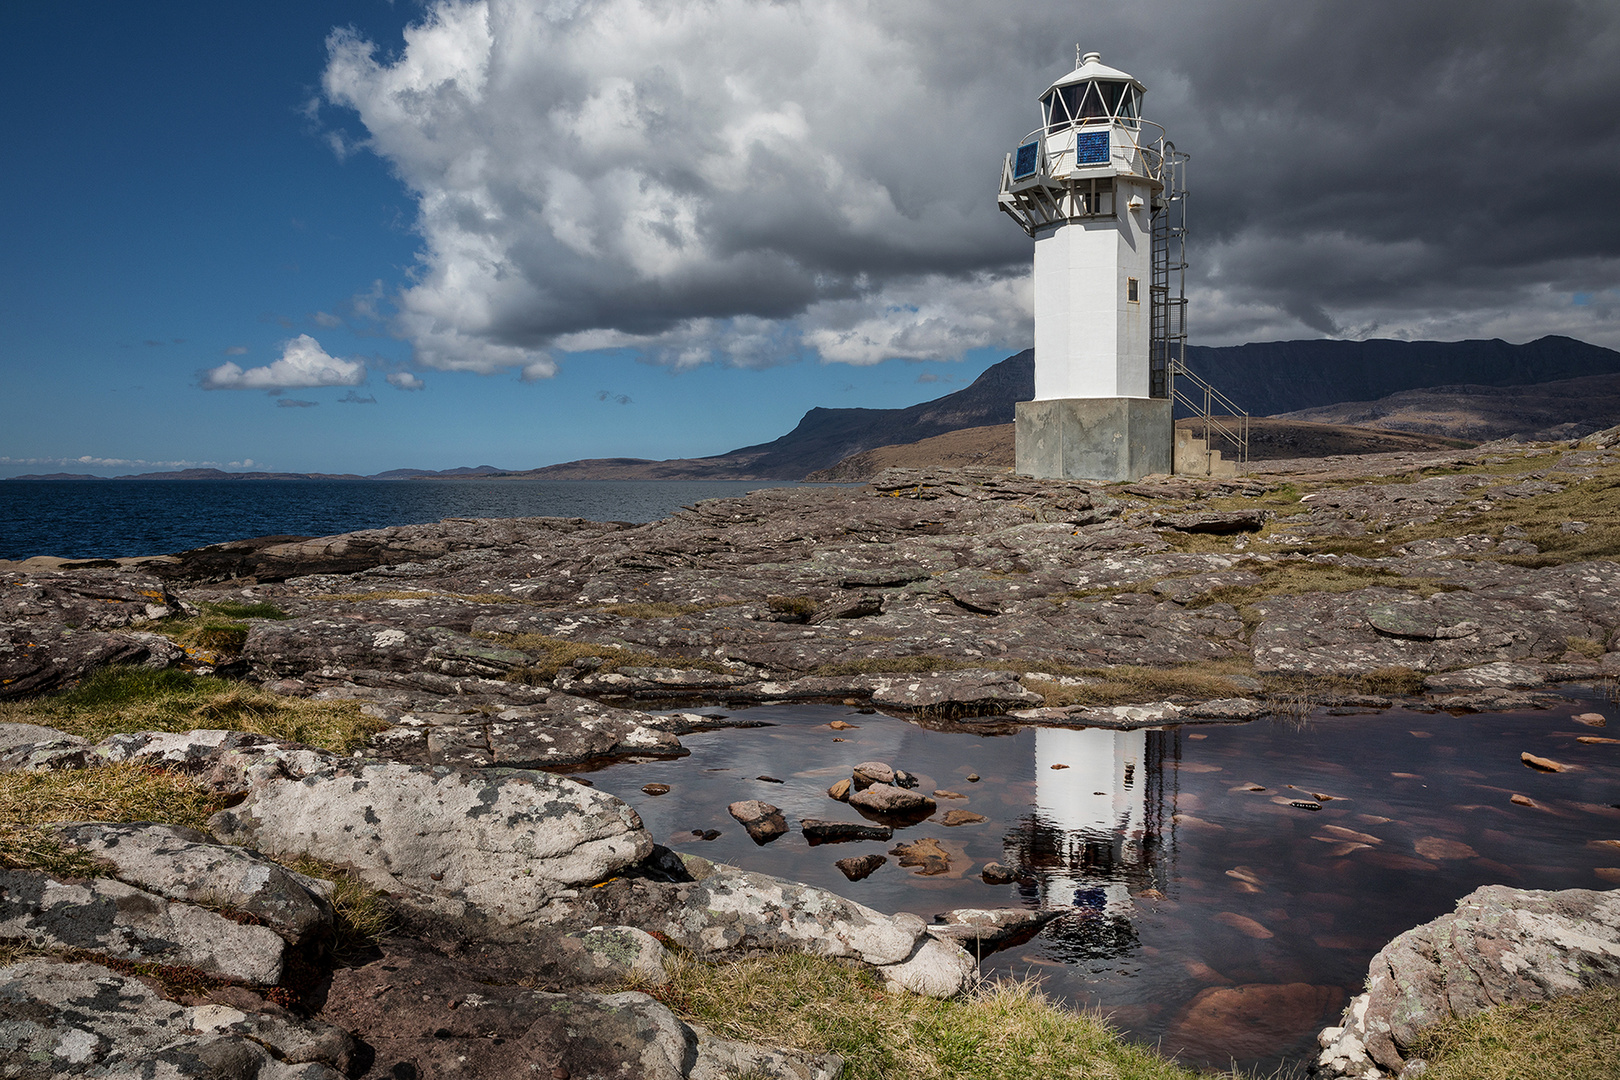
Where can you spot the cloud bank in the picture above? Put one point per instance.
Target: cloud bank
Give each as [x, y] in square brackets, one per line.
[303, 364]
[748, 183]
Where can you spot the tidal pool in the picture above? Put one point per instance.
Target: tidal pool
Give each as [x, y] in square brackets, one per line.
[1216, 921]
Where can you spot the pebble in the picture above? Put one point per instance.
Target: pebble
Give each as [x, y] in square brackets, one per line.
[769, 779]
[840, 790]
[963, 817]
[1590, 719]
[857, 867]
[655, 789]
[1542, 764]
[843, 725]
[973, 778]
[996, 874]
[941, 793]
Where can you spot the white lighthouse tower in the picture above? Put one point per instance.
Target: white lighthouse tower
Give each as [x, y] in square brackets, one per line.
[1100, 190]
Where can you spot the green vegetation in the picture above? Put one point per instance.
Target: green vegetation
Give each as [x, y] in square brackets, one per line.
[557, 653]
[816, 1004]
[123, 699]
[361, 914]
[237, 609]
[120, 792]
[1571, 1038]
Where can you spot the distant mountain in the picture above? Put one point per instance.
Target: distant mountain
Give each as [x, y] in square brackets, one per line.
[1564, 409]
[420, 474]
[220, 474]
[827, 436]
[1275, 377]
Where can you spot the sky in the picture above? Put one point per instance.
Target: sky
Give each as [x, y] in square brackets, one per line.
[356, 235]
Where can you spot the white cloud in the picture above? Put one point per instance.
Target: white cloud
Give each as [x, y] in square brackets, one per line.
[236, 350]
[327, 319]
[303, 363]
[404, 380]
[682, 178]
[739, 182]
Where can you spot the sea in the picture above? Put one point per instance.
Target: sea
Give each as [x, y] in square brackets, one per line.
[87, 519]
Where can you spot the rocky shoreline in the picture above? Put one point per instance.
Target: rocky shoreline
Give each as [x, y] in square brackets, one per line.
[484, 652]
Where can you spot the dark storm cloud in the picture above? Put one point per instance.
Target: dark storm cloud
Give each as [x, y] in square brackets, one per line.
[750, 181]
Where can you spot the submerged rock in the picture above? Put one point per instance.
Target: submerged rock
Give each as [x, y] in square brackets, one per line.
[763, 821]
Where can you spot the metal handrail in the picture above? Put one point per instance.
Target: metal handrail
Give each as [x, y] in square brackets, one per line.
[1152, 151]
[1237, 432]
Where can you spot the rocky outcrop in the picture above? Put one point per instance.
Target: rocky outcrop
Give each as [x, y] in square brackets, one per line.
[490, 852]
[1500, 945]
[110, 918]
[80, 1019]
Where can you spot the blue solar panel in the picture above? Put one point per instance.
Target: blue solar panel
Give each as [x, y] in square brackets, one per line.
[1024, 164]
[1091, 147]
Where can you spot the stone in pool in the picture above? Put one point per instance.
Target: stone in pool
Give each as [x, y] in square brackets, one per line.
[868, 773]
[818, 831]
[996, 874]
[888, 799]
[763, 821]
[857, 867]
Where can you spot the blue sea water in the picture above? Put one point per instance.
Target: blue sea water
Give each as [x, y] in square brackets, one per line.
[112, 519]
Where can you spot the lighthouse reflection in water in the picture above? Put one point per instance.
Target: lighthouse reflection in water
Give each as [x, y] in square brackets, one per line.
[1099, 833]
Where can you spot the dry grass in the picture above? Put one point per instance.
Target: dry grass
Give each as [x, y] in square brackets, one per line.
[815, 1004]
[656, 610]
[122, 699]
[920, 664]
[1298, 578]
[802, 608]
[237, 609]
[1571, 1038]
[419, 594]
[1127, 684]
[554, 654]
[361, 913]
[121, 792]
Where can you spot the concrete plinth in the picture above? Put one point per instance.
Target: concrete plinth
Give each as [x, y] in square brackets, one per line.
[1107, 439]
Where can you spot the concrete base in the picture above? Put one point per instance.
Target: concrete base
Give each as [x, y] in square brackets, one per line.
[1107, 439]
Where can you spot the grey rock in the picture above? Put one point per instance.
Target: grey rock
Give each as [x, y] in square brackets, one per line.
[763, 821]
[1499, 945]
[859, 867]
[726, 912]
[890, 800]
[818, 831]
[183, 864]
[294, 647]
[228, 761]
[493, 852]
[984, 930]
[104, 916]
[983, 691]
[868, 773]
[17, 736]
[37, 659]
[111, 599]
[82, 1019]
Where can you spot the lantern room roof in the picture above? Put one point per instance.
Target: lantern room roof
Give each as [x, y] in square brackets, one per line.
[1092, 67]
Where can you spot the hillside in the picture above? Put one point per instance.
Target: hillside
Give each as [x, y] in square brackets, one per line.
[1566, 409]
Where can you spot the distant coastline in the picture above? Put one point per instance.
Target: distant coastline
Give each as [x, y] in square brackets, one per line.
[220, 474]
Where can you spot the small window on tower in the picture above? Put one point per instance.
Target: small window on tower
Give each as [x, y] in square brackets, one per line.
[1131, 291]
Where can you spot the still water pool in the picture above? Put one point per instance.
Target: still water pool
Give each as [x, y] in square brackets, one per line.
[1215, 914]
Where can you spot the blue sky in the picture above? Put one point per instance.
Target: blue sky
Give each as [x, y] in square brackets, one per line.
[607, 228]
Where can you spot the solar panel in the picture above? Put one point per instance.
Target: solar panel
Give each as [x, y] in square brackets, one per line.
[1024, 164]
[1091, 147]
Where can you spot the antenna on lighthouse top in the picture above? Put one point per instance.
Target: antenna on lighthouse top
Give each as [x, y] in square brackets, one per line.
[1077, 55]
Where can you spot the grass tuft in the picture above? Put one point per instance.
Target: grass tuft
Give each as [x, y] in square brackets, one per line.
[119, 792]
[362, 914]
[124, 699]
[237, 609]
[802, 608]
[1572, 1038]
[657, 610]
[1127, 684]
[819, 1005]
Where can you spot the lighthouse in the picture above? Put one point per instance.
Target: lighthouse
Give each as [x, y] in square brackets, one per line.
[1100, 190]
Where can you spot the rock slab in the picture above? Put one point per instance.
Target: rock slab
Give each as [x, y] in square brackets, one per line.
[1499, 945]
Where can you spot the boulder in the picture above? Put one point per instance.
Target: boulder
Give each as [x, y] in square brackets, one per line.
[493, 851]
[724, 912]
[858, 867]
[183, 864]
[82, 1019]
[430, 1015]
[868, 773]
[1500, 945]
[110, 918]
[763, 821]
[886, 799]
[110, 599]
[18, 736]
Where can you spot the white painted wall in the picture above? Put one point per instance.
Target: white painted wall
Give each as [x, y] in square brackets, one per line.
[1090, 341]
